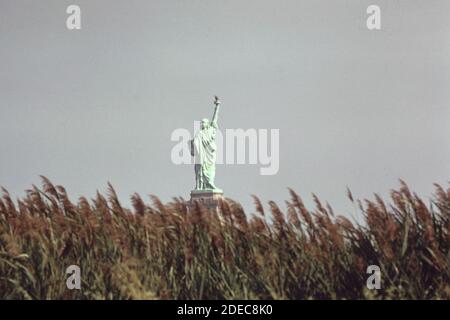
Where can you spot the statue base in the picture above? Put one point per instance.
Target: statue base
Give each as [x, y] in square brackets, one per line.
[210, 199]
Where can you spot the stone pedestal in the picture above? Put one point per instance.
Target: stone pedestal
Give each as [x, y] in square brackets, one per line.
[208, 198]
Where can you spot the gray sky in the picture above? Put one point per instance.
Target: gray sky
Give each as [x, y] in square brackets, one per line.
[354, 107]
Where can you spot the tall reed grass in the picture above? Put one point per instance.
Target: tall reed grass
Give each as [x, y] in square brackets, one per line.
[164, 251]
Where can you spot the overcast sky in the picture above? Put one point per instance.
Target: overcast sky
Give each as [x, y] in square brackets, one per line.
[354, 107]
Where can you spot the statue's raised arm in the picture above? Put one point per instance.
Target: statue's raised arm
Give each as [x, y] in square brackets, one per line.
[216, 112]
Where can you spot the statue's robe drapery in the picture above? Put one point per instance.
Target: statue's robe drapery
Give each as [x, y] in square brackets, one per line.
[204, 147]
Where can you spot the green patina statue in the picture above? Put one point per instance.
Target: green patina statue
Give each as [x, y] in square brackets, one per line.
[203, 149]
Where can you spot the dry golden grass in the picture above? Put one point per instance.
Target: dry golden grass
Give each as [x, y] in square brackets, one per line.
[158, 251]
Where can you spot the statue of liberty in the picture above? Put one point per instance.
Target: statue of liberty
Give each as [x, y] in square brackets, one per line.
[203, 149]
